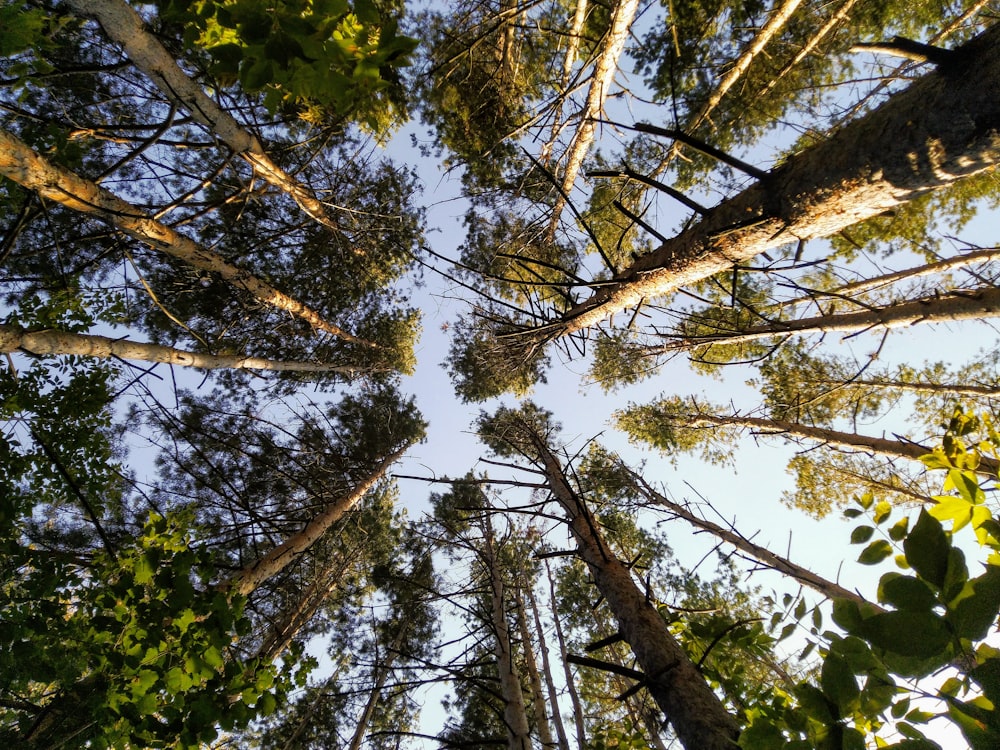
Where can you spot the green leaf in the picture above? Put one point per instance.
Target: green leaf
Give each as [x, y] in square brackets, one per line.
[906, 592]
[838, 683]
[926, 548]
[987, 676]
[875, 552]
[976, 611]
[862, 534]
[912, 634]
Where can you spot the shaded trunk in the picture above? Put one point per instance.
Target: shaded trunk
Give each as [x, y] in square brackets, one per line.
[294, 546]
[381, 677]
[944, 127]
[550, 684]
[49, 342]
[980, 304]
[540, 707]
[514, 715]
[696, 714]
[126, 27]
[574, 696]
[19, 163]
[781, 564]
[835, 438]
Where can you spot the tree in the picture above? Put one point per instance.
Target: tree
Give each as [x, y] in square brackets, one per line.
[696, 714]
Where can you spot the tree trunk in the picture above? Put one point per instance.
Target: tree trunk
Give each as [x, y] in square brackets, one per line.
[22, 165]
[550, 684]
[49, 342]
[126, 27]
[538, 703]
[981, 304]
[948, 389]
[514, 715]
[939, 130]
[601, 82]
[382, 673]
[569, 60]
[288, 551]
[574, 696]
[781, 564]
[696, 714]
[826, 436]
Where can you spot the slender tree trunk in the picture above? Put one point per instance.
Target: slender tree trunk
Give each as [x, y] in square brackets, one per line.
[294, 546]
[22, 165]
[515, 716]
[538, 703]
[944, 127]
[982, 255]
[569, 60]
[981, 304]
[601, 83]
[375, 695]
[126, 27]
[550, 684]
[949, 389]
[49, 342]
[775, 23]
[826, 436]
[696, 714]
[781, 564]
[574, 696]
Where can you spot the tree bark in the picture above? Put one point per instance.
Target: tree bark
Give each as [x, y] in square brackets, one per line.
[126, 27]
[289, 550]
[514, 714]
[781, 564]
[694, 711]
[600, 85]
[574, 696]
[382, 672]
[22, 165]
[835, 438]
[540, 707]
[944, 127]
[980, 304]
[49, 342]
[550, 684]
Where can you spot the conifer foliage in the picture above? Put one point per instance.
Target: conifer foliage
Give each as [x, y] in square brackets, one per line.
[214, 271]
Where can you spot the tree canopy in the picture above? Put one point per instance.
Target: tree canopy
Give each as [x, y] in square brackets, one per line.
[644, 240]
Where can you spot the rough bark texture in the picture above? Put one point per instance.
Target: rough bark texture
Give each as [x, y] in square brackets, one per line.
[126, 27]
[776, 562]
[22, 165]
[49, 342]
[289, 550]
[694, 711]
[539, 706]
[944, 127]
[574, 696]
[980, 304]
[834, 438]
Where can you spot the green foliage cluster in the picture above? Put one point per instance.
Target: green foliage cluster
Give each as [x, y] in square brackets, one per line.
[137, 640]
[326, 58]
[935, 614]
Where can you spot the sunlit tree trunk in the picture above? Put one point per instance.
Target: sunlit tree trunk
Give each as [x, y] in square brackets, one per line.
[826, 436]
[294, 546]
[979, 304]
[601, 82]
[696, 714]
[126, 27]
[48, 342]
[941, 129]
[19, 163]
